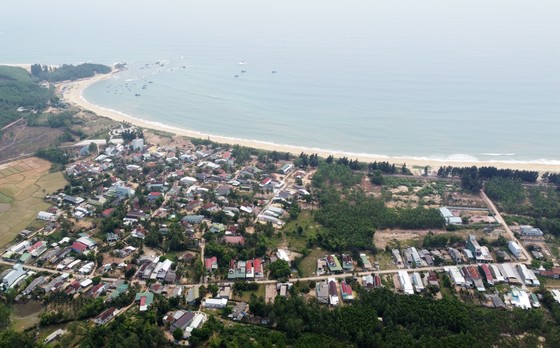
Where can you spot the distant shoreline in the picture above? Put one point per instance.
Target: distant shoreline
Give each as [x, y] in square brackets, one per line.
[72, 93]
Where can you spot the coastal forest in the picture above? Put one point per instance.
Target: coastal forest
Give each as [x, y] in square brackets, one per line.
[26, 95]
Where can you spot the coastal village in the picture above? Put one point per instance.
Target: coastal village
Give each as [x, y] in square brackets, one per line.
[194, 230]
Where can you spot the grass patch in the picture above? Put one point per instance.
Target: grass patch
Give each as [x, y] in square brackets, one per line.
[385, 260]
[246, 295]
[5, 198]
[297, 232]
[308, 265]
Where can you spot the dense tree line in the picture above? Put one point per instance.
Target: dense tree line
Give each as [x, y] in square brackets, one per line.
[413, 321]
[215, 334]
[335, 174]
[384, 167]
[68, 71]
[304, 160]
[542, 204]
[553, 178]
[485, 173]
[127, 331]
[53, 155]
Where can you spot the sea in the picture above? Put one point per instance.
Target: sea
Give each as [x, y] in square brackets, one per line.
[440, 80]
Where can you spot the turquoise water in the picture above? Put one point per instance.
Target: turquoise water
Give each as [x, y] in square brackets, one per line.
[437, 79]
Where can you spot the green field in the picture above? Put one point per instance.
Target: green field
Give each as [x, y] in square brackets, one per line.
[308, 265]
[23, 184]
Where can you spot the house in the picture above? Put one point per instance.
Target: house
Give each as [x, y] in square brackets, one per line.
[154, 195]
[406, 285]
[215, 303]
[433, 279]
[249, 270]
[183, 321]
[54, 336]
[455, 255]
[514, 248]
[137, 144]
[112, 237]
[455, 275]
[257, 265]
[366, 264]
[14, 276]
[33, 285]
[496, 274]
[486, 271]
[397, 257]
[286, 168]
[222, 190]
[333, 264]
[322, 289]
[417, 282]
[552, 273]
[105, 316]
[145, 299]
[88, 242]
[217, 228]
[368, 282]
[530, 231]
[347, 263]
[472, 275]
[450, 219]
[346, 291]
[193, 219]
[520, 298]
[509, 273]
[79, 247]
[45, 216]
[333, 292]
[211, 263]
[193, 294]
[281, 254]
[527, 276]
[73, 199]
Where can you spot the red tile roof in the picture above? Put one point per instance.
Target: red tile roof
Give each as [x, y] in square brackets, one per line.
[248, 266]
[79, 246]
[487, 272]
[257, 265]
[234, 240]
[346, 289]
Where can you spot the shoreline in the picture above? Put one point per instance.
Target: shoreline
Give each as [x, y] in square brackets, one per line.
[72, 93]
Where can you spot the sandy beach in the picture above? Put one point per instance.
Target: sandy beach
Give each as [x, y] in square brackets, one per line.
[72, 93]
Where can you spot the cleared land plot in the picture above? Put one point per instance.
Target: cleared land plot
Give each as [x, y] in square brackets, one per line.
[23, 184]
[308, 265]
[407, 238]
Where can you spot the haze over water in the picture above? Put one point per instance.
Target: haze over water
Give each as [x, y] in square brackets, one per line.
[436, 79]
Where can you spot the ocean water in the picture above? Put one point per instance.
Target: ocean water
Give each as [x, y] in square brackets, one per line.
[461, 80]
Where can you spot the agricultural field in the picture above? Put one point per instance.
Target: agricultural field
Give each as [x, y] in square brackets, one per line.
[23, 184]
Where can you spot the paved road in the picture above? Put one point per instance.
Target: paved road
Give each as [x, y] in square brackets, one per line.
[501, 220]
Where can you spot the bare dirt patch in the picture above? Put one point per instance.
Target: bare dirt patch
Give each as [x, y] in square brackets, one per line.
[22, 140]
[383, 237]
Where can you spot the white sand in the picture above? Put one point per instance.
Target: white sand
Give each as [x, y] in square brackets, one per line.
[72, 93]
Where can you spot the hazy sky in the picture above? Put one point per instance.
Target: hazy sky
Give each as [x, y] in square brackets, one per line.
[530, 24]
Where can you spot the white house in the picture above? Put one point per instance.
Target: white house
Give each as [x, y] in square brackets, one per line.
[45, 216]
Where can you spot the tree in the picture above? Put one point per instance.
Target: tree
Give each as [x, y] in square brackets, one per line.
[178, 334]
[280, 269]
[92, 148]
